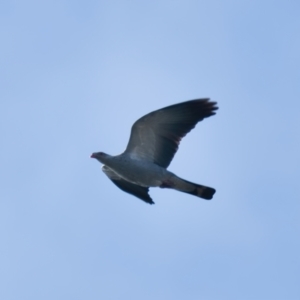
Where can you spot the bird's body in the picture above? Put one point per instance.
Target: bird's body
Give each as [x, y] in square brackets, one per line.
[153, 142]
[141, 172]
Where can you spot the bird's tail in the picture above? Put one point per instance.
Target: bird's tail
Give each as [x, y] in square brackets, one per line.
[191, 188]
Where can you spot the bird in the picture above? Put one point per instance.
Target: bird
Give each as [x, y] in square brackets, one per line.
[153, 142]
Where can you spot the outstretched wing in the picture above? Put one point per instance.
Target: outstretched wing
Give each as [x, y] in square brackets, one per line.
[156, 136]
[128, 187]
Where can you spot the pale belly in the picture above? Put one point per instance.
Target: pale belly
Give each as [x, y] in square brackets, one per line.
[143, 174]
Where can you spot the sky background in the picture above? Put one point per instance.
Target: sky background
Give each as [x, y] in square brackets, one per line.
[75, 75]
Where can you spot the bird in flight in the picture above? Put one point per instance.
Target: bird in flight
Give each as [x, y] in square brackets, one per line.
[153, 142]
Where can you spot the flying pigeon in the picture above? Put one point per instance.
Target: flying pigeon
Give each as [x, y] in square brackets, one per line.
[153, 142]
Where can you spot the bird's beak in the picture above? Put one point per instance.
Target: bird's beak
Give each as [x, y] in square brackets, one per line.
[92, 155]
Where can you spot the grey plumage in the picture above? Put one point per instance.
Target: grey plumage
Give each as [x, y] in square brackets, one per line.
[153, 143]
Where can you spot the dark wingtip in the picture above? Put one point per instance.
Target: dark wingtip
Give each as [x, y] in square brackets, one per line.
[148, 200]
[212, 106]
[204, 106]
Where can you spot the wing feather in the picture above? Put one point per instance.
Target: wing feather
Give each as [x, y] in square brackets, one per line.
[156, 136]
[128, 187]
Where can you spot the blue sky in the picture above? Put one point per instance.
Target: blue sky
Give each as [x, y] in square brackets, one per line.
[75, 75]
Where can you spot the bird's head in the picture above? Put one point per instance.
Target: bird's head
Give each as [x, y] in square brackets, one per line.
[100, 156]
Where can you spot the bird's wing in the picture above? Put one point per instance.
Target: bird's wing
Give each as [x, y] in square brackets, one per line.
[128, 187]
[156, 136]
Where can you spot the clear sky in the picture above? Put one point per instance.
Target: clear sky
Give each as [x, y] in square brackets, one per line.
[75, 75]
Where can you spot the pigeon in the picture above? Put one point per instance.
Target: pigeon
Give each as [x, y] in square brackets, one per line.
[153, 142]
